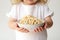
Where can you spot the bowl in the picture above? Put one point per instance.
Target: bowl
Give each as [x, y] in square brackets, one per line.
[30, 27]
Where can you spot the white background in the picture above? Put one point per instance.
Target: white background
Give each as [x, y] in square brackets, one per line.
[7, 34]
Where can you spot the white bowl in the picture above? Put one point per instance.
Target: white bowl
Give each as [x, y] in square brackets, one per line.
[30, 27]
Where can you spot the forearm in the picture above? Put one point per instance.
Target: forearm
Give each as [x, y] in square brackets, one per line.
[12, 24]
[49, 22]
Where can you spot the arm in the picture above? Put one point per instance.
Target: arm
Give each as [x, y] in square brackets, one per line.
[12, 23]
[49, 22]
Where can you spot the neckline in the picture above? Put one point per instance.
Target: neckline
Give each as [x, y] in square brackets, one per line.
[29, 5]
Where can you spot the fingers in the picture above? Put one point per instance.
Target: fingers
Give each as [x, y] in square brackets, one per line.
[45, 26]
[23, 30]
[39, 29]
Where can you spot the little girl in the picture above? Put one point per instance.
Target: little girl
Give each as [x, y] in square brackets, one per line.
[36, 8]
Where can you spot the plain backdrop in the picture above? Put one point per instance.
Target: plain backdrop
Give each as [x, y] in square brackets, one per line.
[7, 34]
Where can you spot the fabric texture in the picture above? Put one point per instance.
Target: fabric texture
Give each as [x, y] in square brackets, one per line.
[39, 11]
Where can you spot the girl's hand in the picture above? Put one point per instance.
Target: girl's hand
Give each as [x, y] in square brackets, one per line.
[16, 27]
[40, 28]
[22, 30]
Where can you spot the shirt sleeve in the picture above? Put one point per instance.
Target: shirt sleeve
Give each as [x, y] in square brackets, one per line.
[47, 12]
[12, 12]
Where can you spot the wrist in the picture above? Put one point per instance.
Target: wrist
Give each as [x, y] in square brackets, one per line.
[48, 24]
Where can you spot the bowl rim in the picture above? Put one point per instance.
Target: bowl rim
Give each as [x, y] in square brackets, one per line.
[32, 24]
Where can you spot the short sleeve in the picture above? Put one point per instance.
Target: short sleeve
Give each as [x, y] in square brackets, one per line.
[12, 12]
[47, 12]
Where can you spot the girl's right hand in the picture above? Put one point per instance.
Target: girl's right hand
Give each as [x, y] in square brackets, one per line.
[22, 29]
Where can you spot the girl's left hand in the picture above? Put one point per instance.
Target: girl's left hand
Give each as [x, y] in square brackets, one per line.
[39, 29]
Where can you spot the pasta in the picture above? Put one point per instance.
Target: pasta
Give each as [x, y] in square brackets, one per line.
[31, 20]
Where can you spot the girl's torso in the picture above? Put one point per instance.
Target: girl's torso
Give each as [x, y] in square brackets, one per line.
[34, 10]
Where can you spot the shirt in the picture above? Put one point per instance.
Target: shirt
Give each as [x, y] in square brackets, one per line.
[37, 10]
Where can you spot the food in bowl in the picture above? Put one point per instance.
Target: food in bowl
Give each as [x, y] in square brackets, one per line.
[31, 20]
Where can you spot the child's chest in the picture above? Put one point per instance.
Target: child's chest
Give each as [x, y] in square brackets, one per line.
[34, 11]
